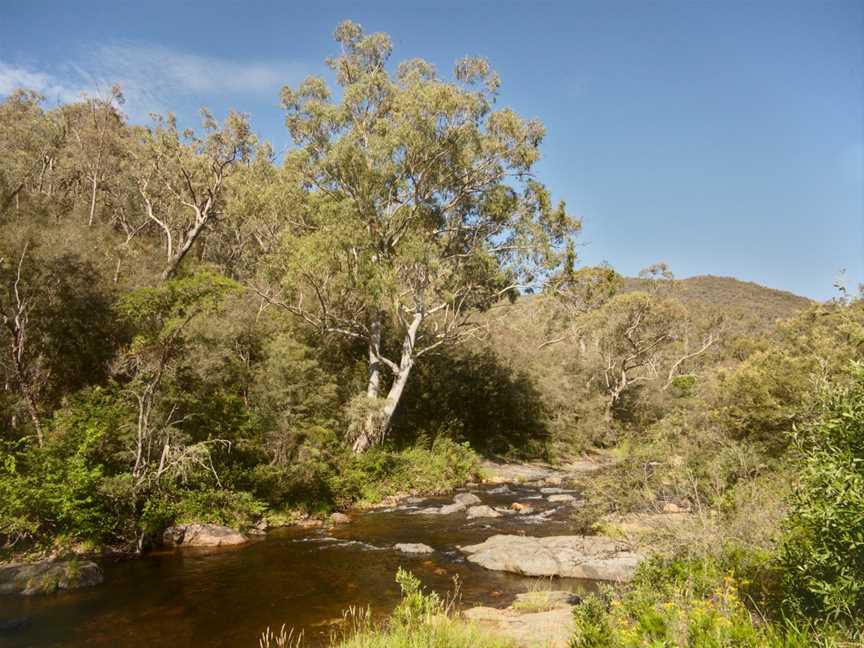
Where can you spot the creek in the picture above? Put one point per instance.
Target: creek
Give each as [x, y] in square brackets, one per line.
[303, 578]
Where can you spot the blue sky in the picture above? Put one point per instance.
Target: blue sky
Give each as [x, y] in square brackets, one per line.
[721, 137]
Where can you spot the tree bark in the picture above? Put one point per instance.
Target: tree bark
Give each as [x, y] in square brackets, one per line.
[376, 430]
[191, 236]
[93, 187]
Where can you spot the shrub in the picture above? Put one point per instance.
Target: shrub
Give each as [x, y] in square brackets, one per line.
[380, 472]
[823, 545]
[421, 620]
[678, 603]
[236, 509]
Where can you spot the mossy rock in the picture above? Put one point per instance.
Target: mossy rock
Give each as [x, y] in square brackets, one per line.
[47, 576]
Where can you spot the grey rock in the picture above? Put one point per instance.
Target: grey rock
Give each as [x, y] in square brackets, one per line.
[455, 507]
[202, 535]
[482, 512]
[501, 490]
[339, 518]
[413, 548]
[468, 499]
[551, 490]
[48, 576]
[590, 557]
[561, 498]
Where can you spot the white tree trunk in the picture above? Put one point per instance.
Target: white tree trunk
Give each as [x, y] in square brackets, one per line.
[376, 430]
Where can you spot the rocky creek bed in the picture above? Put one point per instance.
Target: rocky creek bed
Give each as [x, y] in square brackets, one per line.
[489, 537]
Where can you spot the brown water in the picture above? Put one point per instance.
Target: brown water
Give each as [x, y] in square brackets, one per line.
[303, 578]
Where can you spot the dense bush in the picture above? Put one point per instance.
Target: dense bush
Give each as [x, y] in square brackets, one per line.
[823, 544]
[380, 472]
[690, 602]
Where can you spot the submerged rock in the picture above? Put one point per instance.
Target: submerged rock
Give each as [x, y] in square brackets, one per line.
[48, 576]
[466, 499]
[482, 512]
[429, 510]
[202, 535]
[413, 548]
[590, 557]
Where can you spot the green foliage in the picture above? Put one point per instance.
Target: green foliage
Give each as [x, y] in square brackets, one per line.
[415, 608]
[237, 510]
[480, 397]
[682, 603]
[370, 477]
[49, 493]
[421, 620]
[823, 544]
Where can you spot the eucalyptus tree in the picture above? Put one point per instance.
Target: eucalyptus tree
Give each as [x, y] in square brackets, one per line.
[29, 143]
[181, 177]
[96, 142]
[643, 337]
[420, 207]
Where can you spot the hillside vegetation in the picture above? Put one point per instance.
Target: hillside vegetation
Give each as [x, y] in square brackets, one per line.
[195, 331]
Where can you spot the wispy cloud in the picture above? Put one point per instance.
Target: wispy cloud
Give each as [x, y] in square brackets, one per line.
[153, 77]
[13, 77]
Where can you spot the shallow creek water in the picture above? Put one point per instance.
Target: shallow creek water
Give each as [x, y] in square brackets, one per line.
[303, 578]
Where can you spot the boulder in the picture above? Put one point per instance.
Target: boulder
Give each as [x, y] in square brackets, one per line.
[202, 535]
[569, 499]
[467, 499]
[551, 628]
[482, 512]
[589, 557]
[501, 490]
[551, 490]
[48, 576]
[455, 507]
[413, 548]
[339, 518]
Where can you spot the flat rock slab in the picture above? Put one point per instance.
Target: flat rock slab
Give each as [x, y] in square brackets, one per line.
[589, 557]
[413, 548]
[202, 535]
[48, 576]
[549, 629]
[481, 512]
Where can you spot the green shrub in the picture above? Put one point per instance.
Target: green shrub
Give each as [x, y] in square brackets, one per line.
[236, 509]
[688, 602]
[823, 545]
[57, 491]
[421, 620]
[379, 472]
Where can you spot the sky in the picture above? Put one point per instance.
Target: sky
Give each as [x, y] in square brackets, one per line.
[722, 138]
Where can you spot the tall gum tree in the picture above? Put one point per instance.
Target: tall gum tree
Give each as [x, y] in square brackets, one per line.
[181, 177]
[420, 207]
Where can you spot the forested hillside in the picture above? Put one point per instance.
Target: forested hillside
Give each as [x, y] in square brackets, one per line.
[194, 329]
